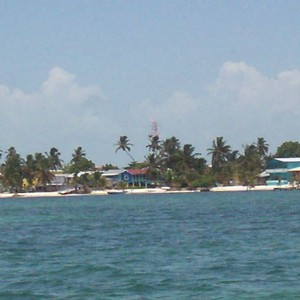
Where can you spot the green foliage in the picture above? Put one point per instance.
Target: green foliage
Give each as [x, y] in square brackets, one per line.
[200, 165]
[79, 163]
[154, 145]
[77, 155]
[135, 165]
[249, 164]
[97, 181]
[203, 181]
[288, 149]
[11, 170]
[29, 170]
[168, 162]
[219, 152]
[55, 162]
[168, 152]
[42, 169]
[107, 167]
[91, 181]
[186, 158]
[121, 185]
[84, 181]
[152, 162]
[167, 176]
[124, 144]
[262, 147]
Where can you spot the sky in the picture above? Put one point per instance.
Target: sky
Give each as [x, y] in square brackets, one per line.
[83, 73]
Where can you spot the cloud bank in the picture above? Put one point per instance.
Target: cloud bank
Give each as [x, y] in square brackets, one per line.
[241, 105]
[62, 113]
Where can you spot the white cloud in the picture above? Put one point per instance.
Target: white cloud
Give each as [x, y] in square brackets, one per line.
[179, 106]
[62, 84]
[59, 114]
[241, 105]
[58, 80]
[250, 104]
[174, 116]
[290, 77]
[247, 87]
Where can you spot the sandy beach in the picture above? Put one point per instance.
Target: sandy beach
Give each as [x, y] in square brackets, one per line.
[96, 192]
[240, 188]
[149, 191]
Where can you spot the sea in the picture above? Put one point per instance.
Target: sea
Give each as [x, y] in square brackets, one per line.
[227, 245]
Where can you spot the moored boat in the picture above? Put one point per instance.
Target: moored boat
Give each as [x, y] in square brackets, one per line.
[115, 192]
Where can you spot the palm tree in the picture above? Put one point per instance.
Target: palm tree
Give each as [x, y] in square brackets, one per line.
[219, 152]
[232, 156]
[249, 164]
[77, 155]
[262, 147]
[186, 165]
[54, 160]
[124, 144]
[168, 150]
[186, 158]
[29, 170]
[230, 168]
[43, 172]
[154, 145]
[11, 170]
[99, 181]
[171, 145]
[152, 163]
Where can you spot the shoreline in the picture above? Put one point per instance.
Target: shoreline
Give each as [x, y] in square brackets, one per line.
[93, 193]
[148, 191]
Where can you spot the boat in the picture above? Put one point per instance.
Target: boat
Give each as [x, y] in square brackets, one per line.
[116, 192]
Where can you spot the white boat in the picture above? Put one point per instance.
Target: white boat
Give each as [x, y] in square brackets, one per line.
[116, 192]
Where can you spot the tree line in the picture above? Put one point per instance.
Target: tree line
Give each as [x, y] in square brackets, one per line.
[178, 165]
[168, 162]
[37, 170]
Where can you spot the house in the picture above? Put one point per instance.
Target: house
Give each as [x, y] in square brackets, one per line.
[295, 176]
[138, 177]
[279, 170]
[133, 177]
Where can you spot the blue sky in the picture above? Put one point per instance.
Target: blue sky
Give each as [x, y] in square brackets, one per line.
[83, 73]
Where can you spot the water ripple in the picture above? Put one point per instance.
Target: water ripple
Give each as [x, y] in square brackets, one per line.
[189, 246]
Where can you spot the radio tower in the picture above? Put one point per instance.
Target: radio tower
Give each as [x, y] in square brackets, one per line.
[154, 130]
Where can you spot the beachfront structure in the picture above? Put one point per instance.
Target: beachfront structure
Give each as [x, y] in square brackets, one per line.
[280, 170]
[295, 175]
[132, 177]
[59, 181]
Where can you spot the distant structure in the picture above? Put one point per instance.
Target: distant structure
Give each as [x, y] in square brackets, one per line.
[154, 128]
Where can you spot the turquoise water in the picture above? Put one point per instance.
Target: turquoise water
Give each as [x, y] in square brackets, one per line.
[186, 246]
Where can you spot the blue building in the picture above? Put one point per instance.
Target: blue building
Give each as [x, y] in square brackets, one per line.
[278, 170]
[132, 177]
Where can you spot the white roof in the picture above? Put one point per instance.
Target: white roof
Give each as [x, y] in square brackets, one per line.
[113, 172]
[79, 174]
[264, 174]
[289, 159]
[276, 170]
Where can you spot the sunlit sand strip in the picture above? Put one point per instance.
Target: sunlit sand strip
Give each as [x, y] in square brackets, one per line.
[237, 188]
[240, 188]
